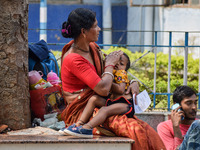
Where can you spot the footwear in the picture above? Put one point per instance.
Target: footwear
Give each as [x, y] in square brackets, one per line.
[80, 132]
[61, 131]
[72, 126]
[3, 128]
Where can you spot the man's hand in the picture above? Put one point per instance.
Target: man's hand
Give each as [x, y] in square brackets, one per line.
[176, 120]
[176, 116]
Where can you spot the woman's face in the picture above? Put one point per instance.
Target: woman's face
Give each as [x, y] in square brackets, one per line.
[93, 33]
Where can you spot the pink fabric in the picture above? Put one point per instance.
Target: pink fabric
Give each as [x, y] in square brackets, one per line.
[77, 73]
[165, 131]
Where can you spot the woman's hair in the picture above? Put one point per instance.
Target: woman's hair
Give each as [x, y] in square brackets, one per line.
[128, 63]
[78, 19]
[182, 92]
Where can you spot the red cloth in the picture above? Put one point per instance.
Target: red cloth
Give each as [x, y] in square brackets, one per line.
[166, 132]
[73, 112]
[78, 73]
[46, 101]
[146, 138]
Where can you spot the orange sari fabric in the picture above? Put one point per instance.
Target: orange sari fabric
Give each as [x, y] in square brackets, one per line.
[146, 138]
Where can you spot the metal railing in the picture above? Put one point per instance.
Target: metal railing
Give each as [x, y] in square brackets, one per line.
[155, 46]
[170, 46]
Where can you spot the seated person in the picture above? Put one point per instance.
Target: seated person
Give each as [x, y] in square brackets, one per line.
[192, 138]
[81, 74]
[118, 103]
[172, 131]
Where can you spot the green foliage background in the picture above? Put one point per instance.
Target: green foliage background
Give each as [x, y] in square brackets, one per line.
[143, 69]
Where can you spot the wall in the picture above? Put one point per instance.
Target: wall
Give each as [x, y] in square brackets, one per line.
[182, 19]
[57, 14]
[177, 19]
[124, 17]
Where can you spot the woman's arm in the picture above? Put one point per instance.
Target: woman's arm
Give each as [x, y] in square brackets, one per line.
[103, 87]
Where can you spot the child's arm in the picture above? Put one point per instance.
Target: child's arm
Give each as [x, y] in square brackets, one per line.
[118, 88]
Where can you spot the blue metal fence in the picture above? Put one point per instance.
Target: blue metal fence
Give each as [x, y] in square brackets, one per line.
[155, 46]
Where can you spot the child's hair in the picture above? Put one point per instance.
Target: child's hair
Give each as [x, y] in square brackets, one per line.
[128, 63]
[78, 19]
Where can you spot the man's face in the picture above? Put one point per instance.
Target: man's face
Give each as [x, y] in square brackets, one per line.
[189, 106]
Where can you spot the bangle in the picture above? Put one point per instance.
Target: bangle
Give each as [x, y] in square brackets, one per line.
[108, 66]
[133, 81]
[108, 73]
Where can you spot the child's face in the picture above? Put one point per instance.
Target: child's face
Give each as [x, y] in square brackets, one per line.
[121, 65]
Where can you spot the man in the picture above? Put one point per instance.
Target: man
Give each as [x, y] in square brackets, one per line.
[172, 131]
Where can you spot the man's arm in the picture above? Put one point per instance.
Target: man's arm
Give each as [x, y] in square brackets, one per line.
[165, 131]
[176, 119]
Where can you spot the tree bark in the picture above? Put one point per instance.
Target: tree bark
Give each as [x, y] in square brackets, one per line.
[14, 84]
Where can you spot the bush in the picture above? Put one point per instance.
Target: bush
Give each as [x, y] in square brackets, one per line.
[143, 69]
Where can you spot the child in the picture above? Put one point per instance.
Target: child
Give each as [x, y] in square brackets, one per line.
[117, 104]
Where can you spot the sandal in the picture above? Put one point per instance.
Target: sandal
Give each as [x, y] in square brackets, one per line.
[79, 132]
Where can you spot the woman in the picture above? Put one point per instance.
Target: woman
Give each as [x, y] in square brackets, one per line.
[117, 104]
[84, 74]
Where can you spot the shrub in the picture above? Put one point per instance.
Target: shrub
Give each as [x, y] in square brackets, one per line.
[143, 69]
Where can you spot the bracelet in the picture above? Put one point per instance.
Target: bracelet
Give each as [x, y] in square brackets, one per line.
[133, 81]
[108, 73]
[108, 66]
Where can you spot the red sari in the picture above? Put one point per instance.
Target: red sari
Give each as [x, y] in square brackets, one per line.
[146, 138]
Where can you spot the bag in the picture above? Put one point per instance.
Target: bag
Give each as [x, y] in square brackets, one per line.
[34, 76]
[46, 101]
[41, 59]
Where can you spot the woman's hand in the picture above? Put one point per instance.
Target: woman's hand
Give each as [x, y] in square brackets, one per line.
[104, 86]
[113, 58]
[133, 89]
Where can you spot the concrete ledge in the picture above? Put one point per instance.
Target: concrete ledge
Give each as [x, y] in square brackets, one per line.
[17, 139]
[153, 118]
[66, 146]
[52, 142]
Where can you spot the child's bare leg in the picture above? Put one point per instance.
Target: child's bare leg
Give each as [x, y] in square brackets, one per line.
[94, 101]
[106, 111]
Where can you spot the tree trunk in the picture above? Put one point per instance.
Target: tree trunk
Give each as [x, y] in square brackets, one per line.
[14, 85]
